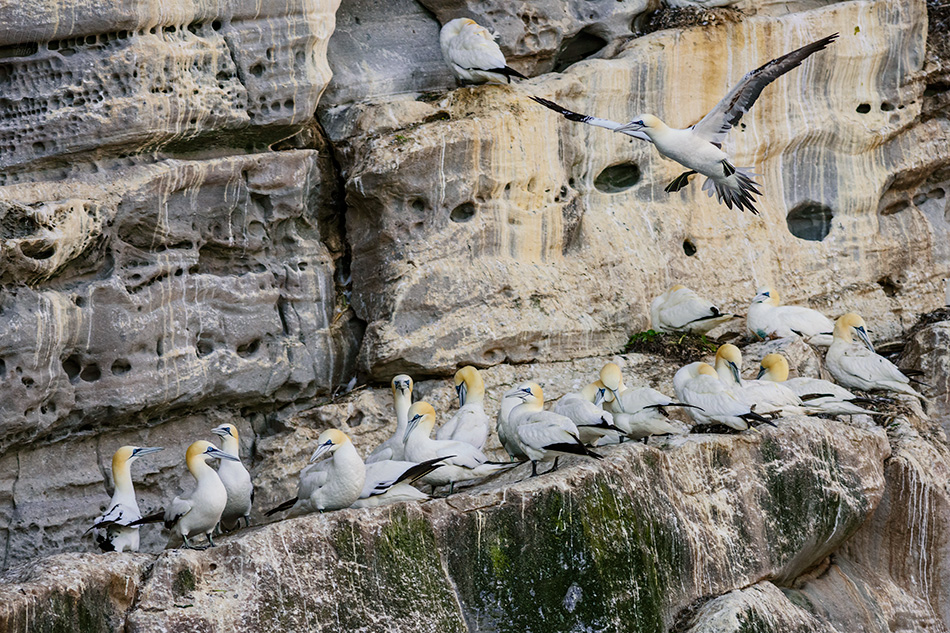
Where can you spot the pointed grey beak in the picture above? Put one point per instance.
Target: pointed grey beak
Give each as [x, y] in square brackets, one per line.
[413, 423]
[403, 387]
[461, 391]
[735, 372]
[323, 448]
[146, 450]
[863, 335]
[762, 371]
[618, 400]
[629, 127]
[599, 398]
[217, 452]
[222, 431]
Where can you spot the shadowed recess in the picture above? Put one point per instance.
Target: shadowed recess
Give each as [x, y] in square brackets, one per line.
[810, 221]
[617, 178]
[579, 47]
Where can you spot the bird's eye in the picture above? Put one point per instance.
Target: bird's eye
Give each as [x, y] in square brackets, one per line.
[328, 443]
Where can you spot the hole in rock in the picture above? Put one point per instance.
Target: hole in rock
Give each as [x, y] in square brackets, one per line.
[91, 373]
[3, 368]
[121, 366]
[574, 49]
[160, 347]
[355, 420]
[934, 89]
[419, 205]
[889, 286]
[248, 349]
[887, 107]
[203, 346]
[72, 367]
[463, 213]
[27, 381]
[257, 70]
[37, 250]
[80, 301]
[864, 108]
[689, 248]
[810, 221]
[617, 178]
[19, 50]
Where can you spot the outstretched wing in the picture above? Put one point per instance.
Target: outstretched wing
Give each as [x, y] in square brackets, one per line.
[714, 126]
[589, 120]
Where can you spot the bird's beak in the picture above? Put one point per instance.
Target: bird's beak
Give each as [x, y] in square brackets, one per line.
[461, 391]
[863, 335]
[629, 127]
[735, 372]
[217, 452]
[413, 423]
[762, 371]
[323, 448]
[760, 298]
[148, 449]
[599, 398]
[403, 387]
[223, 431]
[514, 393]
[618, 400]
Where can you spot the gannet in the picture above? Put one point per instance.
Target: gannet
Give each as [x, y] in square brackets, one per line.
[639, 412]
[470, 424]
[200, 512]
[818, 395]
[592, 422]
[699, 147]
[473, 55]
[858, 367]
[390, 482]
[767, 318]
[392, 448]
[236, 480]
[761, 396]
[332, 484]
[679, 309]
[544, 435]
[112, 530]
[503, 426]
[460, 460]
[715, 403]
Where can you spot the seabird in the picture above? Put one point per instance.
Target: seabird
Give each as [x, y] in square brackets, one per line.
[762, 396]
[332, 484]
[584, 410]
[698, 384]
[236, 480]
[470, 424]
[200, 512]
[767, 318]
[392, 448]
[639, 412]
[390, 482]
[544, 435]
[112, 530]
[699, 147]
[473, 55]
[460, 460]
[680, 309]
[821, 396]
[859, 367]
[504, 427]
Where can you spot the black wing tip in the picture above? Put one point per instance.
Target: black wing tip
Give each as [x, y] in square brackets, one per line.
[286, 505]
[155, 517]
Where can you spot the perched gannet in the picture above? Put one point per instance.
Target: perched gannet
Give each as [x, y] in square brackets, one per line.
[858, 367]
[200, 512]
[767, 318]
[470, 424]
[592, 422]
[472, 54]
[818, 395]
[112, 530]
[460, 460]
[506, 432]
[715, 403]
[761, 396]
[544, 435]
[390, 482]
[332, 484]
[639, 412]
[679, 309]
[392, 449]
[699, 147]
[236, 480]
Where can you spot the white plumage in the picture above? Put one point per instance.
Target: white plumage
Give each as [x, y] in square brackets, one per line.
[332, 484]
[767, 318]
[236, 480]
[818, 395]
[507, 434]
[389, 482]
[680, 309]
[470, 424]
[111, 530]
[763, 397]
[592, 422]
[699, 385]
[473, 55]
[392, 448]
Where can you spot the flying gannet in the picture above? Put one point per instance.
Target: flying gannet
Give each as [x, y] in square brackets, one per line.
[390, 482]
[460, 460]
[544, 435]
[639, 412]
[762, 396]
[699, 147]
[680, 309]
[698, 384]
[200, 512]
[112, 530]
[473, 55]
[859, 367]
[236, 480]
[470, 424]
[332, 484]
[819, 395]
[504, 427]
[767, 318]
[392, 448]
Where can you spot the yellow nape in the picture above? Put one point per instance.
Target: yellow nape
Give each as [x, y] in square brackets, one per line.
[467, 374]
[706, 369]
[611, 376]
[777, 366]
[730, 353]
[422, 408]
[336, 436]
[677, 287]
[844, 324]
[196, 449]
[121, 457]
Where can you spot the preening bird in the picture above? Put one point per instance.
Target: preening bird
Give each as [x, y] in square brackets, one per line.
[592, 422]
[470, 424]
[473, 55]
[199, 512]
[391, 482]
[698, 384]
[818, 395]
[859, 367]
[112, 530]
[392, 448]
[332, 484]
[680, 309]
[699, 147]
[762, 396]
[767, 318]
[236, 480]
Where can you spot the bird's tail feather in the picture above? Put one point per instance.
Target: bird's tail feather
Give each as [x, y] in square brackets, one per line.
[422, 469]
[286, 505]
[741, 196]
[155, 517]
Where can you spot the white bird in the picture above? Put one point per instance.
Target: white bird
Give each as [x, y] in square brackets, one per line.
[767, 318]
[392, 448]
[639, 412]
[859, 367]
[544, 435]
[592, 422]
[112, 530]
[460, 461]
[698, 384]
[762, 396]
[699, 147]
[473, 55]
[236, 480]
[470, 424]
[680, 309]
[332, 484]
[390, 482]
[819, 395]
[507, 434]
[199, 512]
